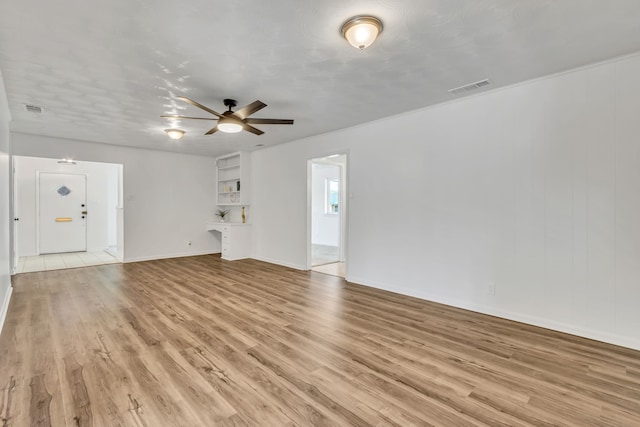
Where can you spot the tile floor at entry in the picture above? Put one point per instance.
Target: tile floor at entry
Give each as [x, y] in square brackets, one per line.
[334, 269]
[65, 260]
[324, 254]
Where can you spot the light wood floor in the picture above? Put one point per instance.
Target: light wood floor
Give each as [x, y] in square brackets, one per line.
[201, 342]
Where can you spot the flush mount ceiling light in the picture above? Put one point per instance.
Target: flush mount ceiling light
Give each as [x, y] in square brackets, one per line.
[361, 31]
[229, 126]
[66, 161]
[175, 133]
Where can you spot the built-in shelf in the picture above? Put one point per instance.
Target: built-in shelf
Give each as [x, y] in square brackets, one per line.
[224, 168]
[233, 179]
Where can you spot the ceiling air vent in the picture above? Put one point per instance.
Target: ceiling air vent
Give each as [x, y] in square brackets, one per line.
[33, 108]
[471, 86]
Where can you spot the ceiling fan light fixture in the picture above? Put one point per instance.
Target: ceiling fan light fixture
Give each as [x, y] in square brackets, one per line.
[175, 133]
[233, 121]
[361, 31]
[229, 126]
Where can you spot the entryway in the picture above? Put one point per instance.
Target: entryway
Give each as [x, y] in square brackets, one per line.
[327, 207]
[66, 214]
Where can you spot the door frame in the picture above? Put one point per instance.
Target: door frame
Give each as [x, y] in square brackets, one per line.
[344, 211]
[13, 196]
[38, 206]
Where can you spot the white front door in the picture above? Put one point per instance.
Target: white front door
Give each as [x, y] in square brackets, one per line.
[63, 212]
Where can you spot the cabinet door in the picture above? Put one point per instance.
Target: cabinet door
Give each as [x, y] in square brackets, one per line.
[227, 252]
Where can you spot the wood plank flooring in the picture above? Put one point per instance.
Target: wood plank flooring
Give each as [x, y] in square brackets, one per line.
[201, 342]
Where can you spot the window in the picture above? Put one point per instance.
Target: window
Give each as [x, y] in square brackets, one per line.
[332, 196]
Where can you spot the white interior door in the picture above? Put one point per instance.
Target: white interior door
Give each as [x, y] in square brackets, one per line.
[62, 213]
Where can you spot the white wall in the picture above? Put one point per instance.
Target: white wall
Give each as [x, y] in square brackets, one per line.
[113, 203]
[5, 253]
[325, 229]
[534, 188]
[101, 204]
[168, 197]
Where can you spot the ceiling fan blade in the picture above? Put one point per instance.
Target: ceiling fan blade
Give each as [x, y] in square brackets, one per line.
[248, 110]
[197, 104]
[213, 130]
[186, 117]
[269, 121]
[253, 130]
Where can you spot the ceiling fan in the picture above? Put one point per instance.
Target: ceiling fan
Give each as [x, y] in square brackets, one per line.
[233, 121]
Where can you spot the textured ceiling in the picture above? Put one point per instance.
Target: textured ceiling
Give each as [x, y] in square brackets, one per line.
[106, 71]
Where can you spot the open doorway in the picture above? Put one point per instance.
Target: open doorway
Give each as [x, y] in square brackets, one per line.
[66, 214]
[327, 213]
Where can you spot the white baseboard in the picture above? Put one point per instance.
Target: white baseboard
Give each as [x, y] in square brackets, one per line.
[5, 306]
[279, 262]
[623, 341]
[178, 255]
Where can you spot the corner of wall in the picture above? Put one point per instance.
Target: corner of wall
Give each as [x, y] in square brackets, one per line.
[280, 262]
[5, 191]
[4, 308]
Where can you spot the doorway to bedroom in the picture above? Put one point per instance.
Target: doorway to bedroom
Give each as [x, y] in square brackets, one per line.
[327, 211]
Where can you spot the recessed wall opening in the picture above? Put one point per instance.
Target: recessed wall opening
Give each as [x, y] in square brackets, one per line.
[327, 214]
[66, 214]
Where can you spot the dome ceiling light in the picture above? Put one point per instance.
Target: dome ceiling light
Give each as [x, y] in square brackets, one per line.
[175, 133]
[361, 31]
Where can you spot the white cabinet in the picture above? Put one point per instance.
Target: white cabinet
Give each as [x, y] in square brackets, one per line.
[232, 173]
[235, 239]
[233, 179]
